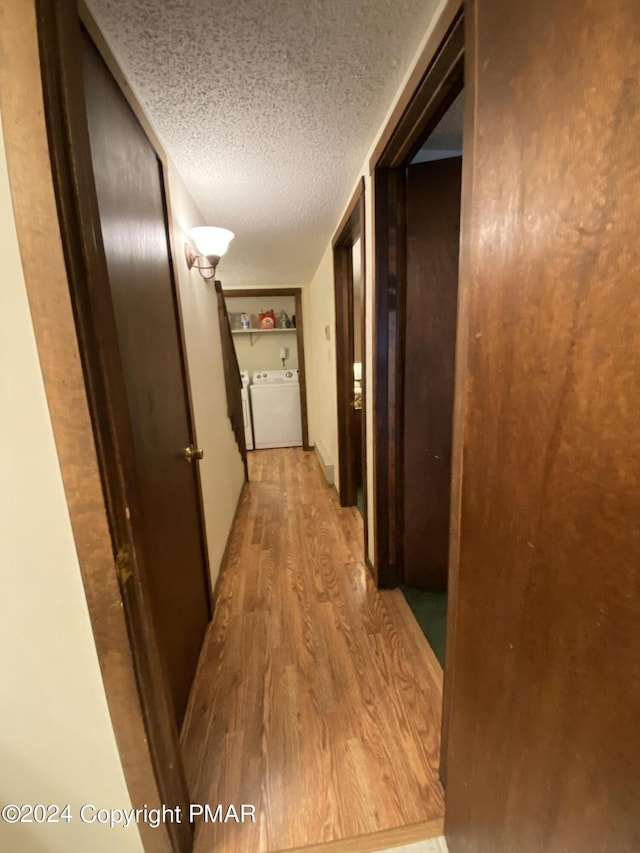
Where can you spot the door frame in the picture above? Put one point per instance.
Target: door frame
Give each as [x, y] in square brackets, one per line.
[350, 229]
[59, 27]
[433, 92]
[437, 79]
[296, 292]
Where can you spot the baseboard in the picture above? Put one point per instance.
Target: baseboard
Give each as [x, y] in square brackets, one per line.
[225, 553]
[215, 592]
[371, 567]
[380, 840]
[327, 467]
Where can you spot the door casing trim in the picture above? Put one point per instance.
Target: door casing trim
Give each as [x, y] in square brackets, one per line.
[296, 292]
[351, 227]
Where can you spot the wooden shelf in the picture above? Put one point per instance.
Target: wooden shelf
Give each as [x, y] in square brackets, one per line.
[259, 331]
[252, 332]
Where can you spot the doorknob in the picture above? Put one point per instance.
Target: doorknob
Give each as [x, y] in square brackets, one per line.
[191, 453]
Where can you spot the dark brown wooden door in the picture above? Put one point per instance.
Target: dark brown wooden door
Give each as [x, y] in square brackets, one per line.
[433, 239]
[544, 748]
[130, 193]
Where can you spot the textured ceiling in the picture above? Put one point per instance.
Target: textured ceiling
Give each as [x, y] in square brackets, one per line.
[268, 108]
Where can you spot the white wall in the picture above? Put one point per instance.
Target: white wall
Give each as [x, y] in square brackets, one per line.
[56, 740]
[320, 358]
[221, 469]
[262, 351]
[323, 425]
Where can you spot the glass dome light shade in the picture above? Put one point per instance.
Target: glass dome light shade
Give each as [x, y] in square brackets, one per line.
[210, 240]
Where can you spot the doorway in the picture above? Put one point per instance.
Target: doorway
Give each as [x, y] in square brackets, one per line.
[433, 185]
[416, 172]
[349, 271]
[276, 343]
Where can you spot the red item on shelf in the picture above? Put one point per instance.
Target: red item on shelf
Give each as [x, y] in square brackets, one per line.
[267, 320]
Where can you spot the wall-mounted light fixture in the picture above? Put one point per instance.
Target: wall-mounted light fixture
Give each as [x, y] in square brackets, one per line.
[211, 244]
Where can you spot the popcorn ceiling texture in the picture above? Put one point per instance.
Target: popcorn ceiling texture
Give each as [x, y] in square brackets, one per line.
[268, 109]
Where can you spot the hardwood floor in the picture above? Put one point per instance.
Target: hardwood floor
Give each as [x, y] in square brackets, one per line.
[317, 698]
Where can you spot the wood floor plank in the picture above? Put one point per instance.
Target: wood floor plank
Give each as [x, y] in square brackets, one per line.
[317, 699]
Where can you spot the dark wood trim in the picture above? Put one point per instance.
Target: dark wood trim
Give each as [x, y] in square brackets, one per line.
[232, 380]
[343, 234]
[365, 374]
[436, 37]
[343, 289]
[350, 229]
[389, 266]
[59, 33]
[296, 292]
[302, 372]
[372, 383]
[461, 371]
[438, 89]
[262, 291]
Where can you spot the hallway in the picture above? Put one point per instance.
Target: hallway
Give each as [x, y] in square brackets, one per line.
[317, 698]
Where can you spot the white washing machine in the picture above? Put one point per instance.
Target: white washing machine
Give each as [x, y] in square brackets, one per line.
[275, 408]
[246, 409]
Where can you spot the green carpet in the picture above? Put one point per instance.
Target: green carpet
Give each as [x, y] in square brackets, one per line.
[430, 610]
[360, 501]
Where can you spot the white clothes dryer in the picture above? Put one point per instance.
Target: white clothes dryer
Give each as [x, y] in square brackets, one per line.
[275, 407]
